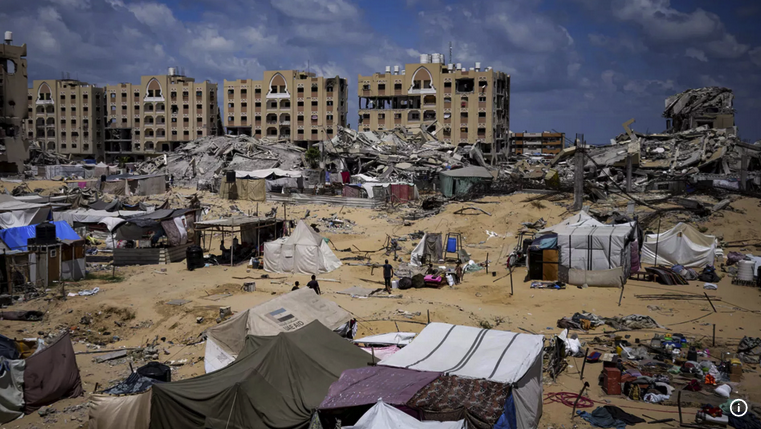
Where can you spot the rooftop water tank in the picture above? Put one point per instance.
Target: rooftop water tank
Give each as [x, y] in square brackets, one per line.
[45, 234]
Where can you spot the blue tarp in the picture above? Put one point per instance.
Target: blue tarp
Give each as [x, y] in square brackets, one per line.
[16, 238]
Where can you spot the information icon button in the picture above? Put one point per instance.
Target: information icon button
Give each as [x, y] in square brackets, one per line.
[738, 408]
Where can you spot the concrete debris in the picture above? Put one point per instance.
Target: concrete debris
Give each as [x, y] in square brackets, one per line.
[702, 106]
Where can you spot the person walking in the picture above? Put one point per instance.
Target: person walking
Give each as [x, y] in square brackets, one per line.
[388, 272]
[458, 272]
[314, 285]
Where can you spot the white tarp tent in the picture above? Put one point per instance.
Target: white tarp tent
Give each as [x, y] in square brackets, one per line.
[579, 219]
[389, 339]
[681, 245]
[303, 252]
[384, 416]
[596, 248]
[500, 356]
[15, 212]
[285, 313]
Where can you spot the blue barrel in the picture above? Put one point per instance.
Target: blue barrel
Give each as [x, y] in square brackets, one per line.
[452, 244]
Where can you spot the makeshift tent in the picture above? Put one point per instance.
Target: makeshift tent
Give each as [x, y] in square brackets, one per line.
[303, 252]
[244, 189]
[384, 416]
[500, 356]
[126, 184]
[285, 313]
[11, 389]
[17, 238]
[429, 249]
[15, 212]
[120, 412]
[365, 386]
[79, 216]
[51, 375]
[277, 385]
[458, 182]
[592, 253]
[681, 245]
[450, 398]
[392, 338]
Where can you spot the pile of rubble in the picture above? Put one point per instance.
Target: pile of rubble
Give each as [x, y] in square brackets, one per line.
[198, 163]
[399, 154]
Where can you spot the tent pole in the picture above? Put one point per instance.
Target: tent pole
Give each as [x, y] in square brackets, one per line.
[511, 281]
[657, 239]
[113, 262]
[232, 243]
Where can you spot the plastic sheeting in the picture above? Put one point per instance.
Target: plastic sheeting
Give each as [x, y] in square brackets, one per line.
[391, 338]
[465, 351]
[429, 246]
[384, 416]
[11, 389]
[93, 216]
[120, 412]
[244, 189]
[596, 248]
[681, 245]
[365, 386]
[579, 219]
[17, 238]
[303, 252]
[602, 278]
[285, 313]
[16, 218]
[51, 375]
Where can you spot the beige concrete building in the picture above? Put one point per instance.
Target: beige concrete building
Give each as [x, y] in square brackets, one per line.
[66, 116]
[158, 115]
[458, 104]
[546, 143]
[286, 104]
[13, 111]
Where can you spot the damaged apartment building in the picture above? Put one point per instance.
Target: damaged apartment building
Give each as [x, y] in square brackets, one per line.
[289, 105]
[124, 120]
[13, 110]
[711, 107]
[456, 104]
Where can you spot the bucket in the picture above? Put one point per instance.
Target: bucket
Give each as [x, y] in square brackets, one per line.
[745, 270]
[394, 284]
[494, 274]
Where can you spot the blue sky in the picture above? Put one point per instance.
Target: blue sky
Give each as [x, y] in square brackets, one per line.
[577, 66]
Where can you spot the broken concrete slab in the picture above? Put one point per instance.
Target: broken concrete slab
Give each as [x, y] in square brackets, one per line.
[111, 356]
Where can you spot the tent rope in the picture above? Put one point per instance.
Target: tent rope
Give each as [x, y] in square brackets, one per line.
[231, 409]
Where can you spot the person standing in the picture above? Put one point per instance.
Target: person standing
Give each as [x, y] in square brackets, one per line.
[388, 272]
[458, 272]
[295, 287]
[314, 285]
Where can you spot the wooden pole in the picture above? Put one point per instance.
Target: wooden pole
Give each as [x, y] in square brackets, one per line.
[583, 365]
[487, 262]
[232, 243]
[113, 262]
[573, 412]
[511, 281]
[621, 296]
[578, 187]
[713, 340]
[709, 301]
[429, 315]
[657, 239]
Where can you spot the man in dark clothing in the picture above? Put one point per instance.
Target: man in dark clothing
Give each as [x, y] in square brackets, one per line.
[314, 285]
[388, 272]
[295, 287]
[458, 272]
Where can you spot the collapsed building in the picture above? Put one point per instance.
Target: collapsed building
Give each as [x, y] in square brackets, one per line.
[694, 108]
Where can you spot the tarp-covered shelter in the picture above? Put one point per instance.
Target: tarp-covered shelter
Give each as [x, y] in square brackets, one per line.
[15, 212]
[248, 189]
[128, 185]
[681, 245]
[17, 238]
[120, 412]
[11, 389]
[365, 386]
[51, 375]
[276, 383]
[459, 181]
[384, 416]
[499, 356]
[429, 250]
[304, 251]
[285, 313]
[592, 253]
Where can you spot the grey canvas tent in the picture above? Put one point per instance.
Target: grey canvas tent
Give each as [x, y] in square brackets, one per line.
[460, 181]
[429, 249]
[304, 251]
[276, 382]
[285, 313]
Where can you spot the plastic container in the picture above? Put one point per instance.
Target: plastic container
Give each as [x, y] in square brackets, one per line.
[394, 284]
[745, 270]
[194, 257]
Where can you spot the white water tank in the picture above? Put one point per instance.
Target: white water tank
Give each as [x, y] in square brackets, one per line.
[478, 66]
[437, 58]
[172, 71]
[459, 66]
[472, 68]
[424, 59]
[8, 37]
[388, 69]
[450, 66]
[396, 69]
[745, 270]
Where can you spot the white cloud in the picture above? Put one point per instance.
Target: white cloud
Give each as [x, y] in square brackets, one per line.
[317, 10]
[78, 4]
[696, 54]
[663, 23]
[153, 14]
[727, 47]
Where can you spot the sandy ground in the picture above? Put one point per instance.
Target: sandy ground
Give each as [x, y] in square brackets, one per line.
[134, 309]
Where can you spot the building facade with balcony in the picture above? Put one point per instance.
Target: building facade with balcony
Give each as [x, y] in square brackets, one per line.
[66, 116]
[286, 104]
[457, 104]
[159, 115]
[13, 110]
[545, 143]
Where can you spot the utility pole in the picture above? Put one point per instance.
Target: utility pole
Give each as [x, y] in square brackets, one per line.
[451, 60]
[578, 186]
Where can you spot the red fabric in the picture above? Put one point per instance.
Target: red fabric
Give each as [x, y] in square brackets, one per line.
[345, 176]
[401, 193]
